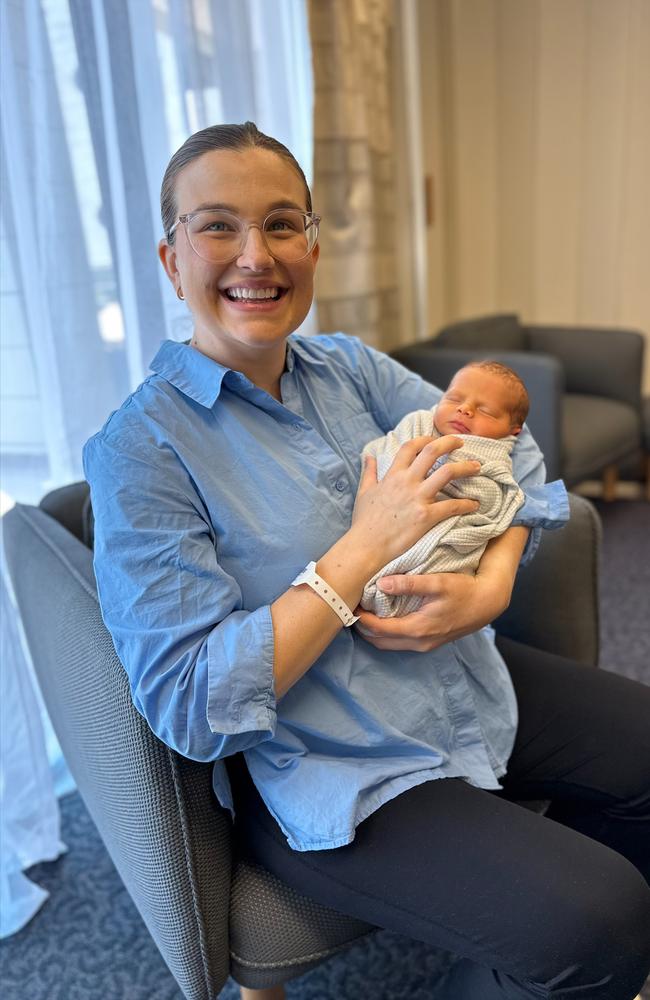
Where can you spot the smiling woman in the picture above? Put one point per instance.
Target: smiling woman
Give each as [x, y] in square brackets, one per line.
[245, 270]
[234, 533]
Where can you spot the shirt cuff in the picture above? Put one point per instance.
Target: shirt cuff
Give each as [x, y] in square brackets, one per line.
[241, 695]
[546, 506]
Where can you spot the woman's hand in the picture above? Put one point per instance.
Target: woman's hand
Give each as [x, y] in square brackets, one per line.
[391, 515]
[454, 604]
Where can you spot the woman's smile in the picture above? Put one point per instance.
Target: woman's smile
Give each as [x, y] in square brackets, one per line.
[254, 297]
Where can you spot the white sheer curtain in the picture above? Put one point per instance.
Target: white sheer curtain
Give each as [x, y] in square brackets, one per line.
[96, 95]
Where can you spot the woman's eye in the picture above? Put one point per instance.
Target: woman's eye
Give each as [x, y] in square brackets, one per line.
[281, 226]
[218, 227]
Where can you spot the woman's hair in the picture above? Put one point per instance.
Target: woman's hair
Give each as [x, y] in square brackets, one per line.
[235, 137]
[519, 393]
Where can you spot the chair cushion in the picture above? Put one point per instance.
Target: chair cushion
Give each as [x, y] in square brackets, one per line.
[276, 933]
[596, 432]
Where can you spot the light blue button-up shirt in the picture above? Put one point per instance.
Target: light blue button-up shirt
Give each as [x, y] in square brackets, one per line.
[210, 496]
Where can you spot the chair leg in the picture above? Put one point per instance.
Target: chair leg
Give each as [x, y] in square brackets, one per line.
[270, 993]
[647, 477]
[610, 479]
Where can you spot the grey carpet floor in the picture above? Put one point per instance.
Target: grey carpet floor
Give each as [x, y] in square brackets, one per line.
[88, 942]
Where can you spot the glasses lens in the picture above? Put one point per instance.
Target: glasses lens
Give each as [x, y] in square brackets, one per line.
[215, 235]
[290, 234]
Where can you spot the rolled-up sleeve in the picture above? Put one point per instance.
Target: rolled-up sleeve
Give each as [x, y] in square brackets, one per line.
[200, 666]
[546, 505]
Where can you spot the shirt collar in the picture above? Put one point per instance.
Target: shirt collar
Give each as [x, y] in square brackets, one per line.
[194, 374]
[297, 344]
[199, 377]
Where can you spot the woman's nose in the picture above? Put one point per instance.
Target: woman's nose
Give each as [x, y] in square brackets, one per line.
[254, 252]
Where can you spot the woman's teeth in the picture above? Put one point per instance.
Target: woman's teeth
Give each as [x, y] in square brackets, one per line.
[253, 293]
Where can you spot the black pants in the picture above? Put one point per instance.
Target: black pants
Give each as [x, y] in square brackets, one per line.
[538, 906]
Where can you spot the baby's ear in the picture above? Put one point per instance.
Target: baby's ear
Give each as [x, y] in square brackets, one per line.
[516, 430]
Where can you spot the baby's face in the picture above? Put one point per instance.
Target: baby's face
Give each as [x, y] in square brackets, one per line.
[476, 402]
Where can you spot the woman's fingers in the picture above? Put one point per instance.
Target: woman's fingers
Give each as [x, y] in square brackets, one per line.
[433, 449]
[443, 509]
[421, 453]
[410, 450]
[442, 476]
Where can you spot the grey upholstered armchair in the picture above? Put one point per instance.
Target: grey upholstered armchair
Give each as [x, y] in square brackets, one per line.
[210, 914]
[584, 385]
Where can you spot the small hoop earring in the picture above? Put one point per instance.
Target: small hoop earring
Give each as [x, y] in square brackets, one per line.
[179, 294]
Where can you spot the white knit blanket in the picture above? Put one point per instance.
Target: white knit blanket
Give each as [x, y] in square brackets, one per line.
[457, 543]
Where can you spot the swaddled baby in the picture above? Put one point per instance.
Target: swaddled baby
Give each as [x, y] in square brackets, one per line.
[485, 405]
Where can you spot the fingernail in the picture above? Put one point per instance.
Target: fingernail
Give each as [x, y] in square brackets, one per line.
[386, 585]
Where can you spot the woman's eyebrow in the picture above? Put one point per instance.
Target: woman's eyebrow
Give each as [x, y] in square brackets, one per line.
[217, 206]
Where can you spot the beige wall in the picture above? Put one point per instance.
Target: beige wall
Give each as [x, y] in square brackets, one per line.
[536, 131]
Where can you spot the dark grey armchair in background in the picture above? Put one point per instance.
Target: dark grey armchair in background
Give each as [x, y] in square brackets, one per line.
[209, 913]
[584, 385]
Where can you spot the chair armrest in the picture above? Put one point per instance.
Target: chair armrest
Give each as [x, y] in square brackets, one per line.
[597, 361]
[554, 604]
[154, 810]
[542, 376]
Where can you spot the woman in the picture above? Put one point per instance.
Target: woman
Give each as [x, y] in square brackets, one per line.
[230, 553]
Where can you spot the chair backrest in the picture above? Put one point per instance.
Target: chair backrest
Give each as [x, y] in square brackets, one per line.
[502, 332]
[155, 810]
[597, 361]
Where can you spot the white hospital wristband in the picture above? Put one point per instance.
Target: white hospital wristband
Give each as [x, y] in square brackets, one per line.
[323, 589]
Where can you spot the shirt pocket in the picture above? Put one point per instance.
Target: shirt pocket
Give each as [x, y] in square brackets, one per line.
[352, 435]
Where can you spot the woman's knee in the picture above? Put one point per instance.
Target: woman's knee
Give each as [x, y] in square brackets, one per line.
[611, 930]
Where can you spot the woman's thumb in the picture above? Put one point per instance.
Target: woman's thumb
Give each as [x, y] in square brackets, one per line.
[369, 473]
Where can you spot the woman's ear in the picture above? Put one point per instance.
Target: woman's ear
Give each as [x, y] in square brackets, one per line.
[168, 259]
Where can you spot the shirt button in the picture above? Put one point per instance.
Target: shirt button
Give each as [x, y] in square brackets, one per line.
[341, 485]
[295, 428]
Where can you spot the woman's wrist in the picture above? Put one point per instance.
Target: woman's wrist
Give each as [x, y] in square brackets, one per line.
[348, 566]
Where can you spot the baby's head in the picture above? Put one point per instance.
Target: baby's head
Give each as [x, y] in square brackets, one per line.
[484, 398]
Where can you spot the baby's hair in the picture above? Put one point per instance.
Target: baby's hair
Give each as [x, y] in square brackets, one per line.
[520, 400]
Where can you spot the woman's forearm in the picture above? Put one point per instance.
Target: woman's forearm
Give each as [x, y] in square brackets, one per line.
[500, 560]
[303, 624]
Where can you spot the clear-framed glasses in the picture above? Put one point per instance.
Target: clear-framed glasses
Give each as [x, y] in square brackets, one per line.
[220, 236]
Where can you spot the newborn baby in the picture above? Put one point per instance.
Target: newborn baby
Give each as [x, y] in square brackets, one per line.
[485, 405]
